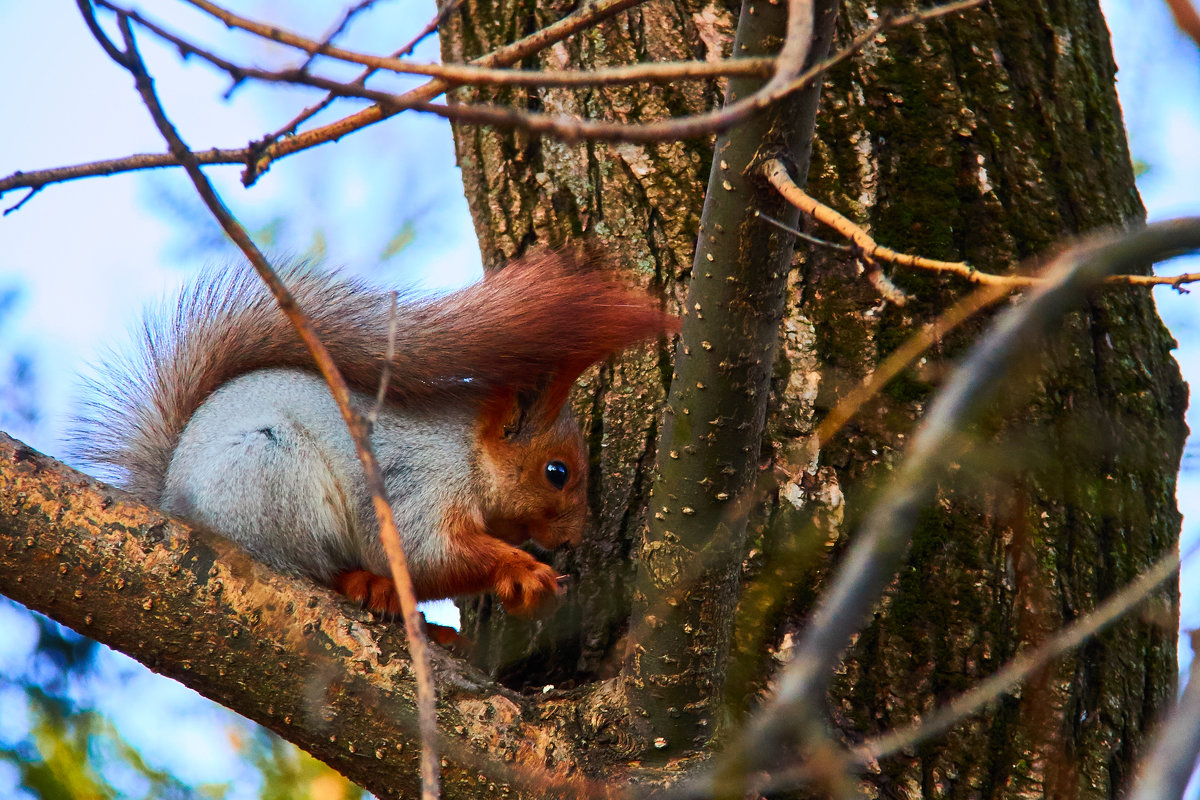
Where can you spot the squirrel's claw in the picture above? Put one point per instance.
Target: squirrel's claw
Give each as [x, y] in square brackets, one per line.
[373, 592]
[523, 585]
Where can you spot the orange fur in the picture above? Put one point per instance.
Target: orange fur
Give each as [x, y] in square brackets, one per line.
[516, 328]
[478, 563]
[373, 592]
[511, 346]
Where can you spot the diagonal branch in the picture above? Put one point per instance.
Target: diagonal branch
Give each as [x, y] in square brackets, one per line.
[131, 60]
[282, 651]
[871, 251]
[442, 15]
[1186, 18]
[883, 539]
[1008, 679]
[1167, 770]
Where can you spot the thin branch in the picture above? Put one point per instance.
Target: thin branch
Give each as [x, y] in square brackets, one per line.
[904, 355]
[40, 178]
[1186, 18]
[418, 647]
[349, 14]
[786, 80]
[258, 159]
[787, 720]
[776, 172]
[1004, 682]
[1024, 664]
[28, 196]
[474, 74]
[361, 80]
[1164, 775]
[799, 234]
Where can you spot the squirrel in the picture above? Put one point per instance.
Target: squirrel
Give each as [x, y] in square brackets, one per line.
[221, 419]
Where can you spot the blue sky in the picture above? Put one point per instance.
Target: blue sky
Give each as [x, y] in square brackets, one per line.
[91, 254]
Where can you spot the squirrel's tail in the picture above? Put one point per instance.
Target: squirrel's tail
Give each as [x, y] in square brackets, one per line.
[543, 318]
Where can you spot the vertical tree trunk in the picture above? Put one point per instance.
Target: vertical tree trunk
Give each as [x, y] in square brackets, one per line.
[642, 204]
[986, 137]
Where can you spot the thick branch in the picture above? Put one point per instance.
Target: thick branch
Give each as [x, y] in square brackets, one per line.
[692, 554]
[281, 651]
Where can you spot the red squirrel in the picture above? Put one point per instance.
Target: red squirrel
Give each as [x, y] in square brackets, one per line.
[223, 420]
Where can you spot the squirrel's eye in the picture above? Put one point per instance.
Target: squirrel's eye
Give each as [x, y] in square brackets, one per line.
[558, 474]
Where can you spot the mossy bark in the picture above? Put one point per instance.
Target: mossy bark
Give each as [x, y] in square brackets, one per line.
[988, 137]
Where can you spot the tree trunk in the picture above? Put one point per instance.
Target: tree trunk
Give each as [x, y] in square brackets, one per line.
[987, 137]
[641, 203]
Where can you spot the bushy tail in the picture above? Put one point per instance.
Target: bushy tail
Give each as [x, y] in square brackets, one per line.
[545, 317]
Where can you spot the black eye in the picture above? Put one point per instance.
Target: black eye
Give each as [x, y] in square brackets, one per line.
[558, 474]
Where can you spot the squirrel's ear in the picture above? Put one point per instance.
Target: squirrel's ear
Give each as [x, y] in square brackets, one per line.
[507, 412]
[500, 415]
[558, 389]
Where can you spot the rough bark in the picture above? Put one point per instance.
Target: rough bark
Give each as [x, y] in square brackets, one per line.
[281, 651]
[984, 139]
[642, 204]
[988, 138]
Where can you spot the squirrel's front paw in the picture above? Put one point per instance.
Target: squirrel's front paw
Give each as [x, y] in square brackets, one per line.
[524, 583]
[373, 592]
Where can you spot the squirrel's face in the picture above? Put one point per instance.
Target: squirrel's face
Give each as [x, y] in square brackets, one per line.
[536, 483]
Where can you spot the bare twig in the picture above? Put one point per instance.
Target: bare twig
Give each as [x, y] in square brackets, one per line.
[28, 196]
[904, 355]
[349, 14]
[1164, 775]
[131, 60]
[258, 159]
[361, 80]
[1186, 18]
[776, 172]
[786, 80]
[475, 74]
[799, 234]
[40, 178]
